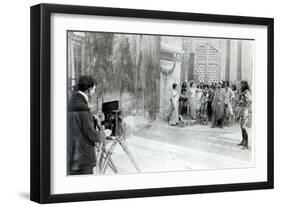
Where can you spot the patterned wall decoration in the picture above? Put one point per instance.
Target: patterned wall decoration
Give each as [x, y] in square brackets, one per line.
[206, 63]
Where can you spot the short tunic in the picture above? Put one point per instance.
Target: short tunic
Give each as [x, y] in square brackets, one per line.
[244, 104]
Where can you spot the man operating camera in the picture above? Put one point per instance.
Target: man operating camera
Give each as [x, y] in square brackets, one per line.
[81, 133]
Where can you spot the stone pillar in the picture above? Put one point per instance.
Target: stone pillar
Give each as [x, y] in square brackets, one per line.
[83, 56]
[71, 62]
[227, 60]
[247, 58]
[191, 66]
[233, 60]
[170, 67]
[239, 61]
[222, 59]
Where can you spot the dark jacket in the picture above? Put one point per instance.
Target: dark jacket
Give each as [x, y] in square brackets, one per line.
[81, 135]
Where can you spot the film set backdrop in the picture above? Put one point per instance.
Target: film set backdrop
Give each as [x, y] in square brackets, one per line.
[135, 75]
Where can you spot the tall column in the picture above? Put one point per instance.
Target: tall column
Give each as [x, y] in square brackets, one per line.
[233, 60]
[191, 62]
[227, 62]
[83, 56]
[157, 76]
[247, 60]
[191, 66]
[222, 59]
[239, 61]
[72, 64]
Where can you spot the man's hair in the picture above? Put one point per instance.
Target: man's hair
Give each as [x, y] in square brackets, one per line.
[85, 82]
[244, 86]
[226, 83]
[183, 90]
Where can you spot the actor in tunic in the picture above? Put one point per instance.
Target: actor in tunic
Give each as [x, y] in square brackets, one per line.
[218, 107]
[192, 100]
[174, 118]
[183, 101]
[229, 96]
[244, 105]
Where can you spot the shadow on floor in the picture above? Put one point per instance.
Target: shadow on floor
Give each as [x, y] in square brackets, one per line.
[24, 195]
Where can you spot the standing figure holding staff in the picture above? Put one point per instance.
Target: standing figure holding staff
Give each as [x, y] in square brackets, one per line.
[244, 104]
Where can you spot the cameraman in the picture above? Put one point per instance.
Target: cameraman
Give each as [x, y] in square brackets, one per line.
[81, 156]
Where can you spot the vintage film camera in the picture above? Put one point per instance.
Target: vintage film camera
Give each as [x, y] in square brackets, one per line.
[112, 121]
[112, 117]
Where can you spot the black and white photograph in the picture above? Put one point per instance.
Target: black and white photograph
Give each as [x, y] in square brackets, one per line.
[133, 103]
[146, 103]
[140, 103]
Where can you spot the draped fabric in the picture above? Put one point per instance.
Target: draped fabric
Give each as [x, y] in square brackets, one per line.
[192, 102]
[175, 107]
[218, 105]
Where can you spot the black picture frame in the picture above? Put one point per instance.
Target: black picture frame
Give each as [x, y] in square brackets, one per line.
[41, 102]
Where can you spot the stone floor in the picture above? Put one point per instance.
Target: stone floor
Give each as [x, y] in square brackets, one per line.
[157, 147]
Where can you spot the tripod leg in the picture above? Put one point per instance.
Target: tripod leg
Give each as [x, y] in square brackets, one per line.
[110, 162]
[102, 159]
[112, 166]
[126, 150]
[99, 158]
[109, 153]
